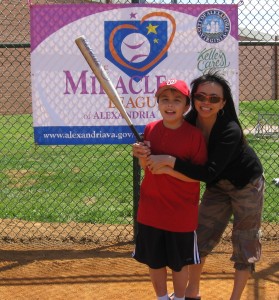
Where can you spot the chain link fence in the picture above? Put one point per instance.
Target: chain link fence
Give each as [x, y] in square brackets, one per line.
[88, 193]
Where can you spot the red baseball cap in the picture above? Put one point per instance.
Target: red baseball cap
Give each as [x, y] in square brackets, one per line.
[179, 85]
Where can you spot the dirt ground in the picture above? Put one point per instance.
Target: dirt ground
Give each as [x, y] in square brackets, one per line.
[50, 270]
[109, 272]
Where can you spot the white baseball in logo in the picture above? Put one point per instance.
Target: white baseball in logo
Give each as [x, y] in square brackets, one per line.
[135, 47]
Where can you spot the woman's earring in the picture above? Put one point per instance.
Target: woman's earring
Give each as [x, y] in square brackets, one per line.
[221, 112]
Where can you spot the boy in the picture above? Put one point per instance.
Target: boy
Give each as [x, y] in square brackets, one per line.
[168, 207]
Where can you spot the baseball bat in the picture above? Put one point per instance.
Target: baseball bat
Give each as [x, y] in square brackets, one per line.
[105, 81]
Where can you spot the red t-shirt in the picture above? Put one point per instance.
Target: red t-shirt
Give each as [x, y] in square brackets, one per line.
[166, 202]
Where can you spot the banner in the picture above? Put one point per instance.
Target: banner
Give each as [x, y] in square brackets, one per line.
[139, 45]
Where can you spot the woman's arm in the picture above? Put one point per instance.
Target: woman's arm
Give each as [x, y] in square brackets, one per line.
[173, 173]
[156, 162]
[163, 164]
[224, 147]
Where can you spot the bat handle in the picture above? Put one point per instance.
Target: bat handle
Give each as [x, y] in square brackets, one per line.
[137, 135]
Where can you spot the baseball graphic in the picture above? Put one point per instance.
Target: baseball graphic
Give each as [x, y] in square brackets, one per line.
[135, 47]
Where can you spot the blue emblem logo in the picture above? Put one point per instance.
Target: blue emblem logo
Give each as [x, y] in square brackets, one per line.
[213, 26]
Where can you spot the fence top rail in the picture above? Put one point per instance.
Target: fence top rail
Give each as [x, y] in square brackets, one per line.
[14, 45]
[258, 43]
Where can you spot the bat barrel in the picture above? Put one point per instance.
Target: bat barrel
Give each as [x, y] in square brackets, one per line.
[104, 80]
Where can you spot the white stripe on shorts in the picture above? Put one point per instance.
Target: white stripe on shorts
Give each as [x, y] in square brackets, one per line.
[196, 254]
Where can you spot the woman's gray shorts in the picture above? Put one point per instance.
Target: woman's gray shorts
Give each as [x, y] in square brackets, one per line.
[218, 204]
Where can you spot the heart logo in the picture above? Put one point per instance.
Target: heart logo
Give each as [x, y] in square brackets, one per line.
[115, 36]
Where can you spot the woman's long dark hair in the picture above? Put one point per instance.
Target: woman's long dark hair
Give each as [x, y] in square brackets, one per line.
[229, 108]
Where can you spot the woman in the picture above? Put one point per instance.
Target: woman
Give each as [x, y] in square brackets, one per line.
[234, 181]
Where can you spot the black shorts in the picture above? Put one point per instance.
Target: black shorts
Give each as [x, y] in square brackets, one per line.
[160, 248]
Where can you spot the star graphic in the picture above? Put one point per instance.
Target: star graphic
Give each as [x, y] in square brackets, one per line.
[151, 28]
[156, 41]
[133, 15]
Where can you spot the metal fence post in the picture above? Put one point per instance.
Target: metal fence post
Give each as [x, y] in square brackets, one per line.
[136, 191]
[276, 96]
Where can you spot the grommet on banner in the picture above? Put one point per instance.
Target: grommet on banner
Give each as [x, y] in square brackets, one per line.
[29, 2]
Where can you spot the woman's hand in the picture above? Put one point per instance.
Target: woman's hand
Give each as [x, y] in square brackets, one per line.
[162, 170]
[156, 162]
[140, 150]
[170, 171]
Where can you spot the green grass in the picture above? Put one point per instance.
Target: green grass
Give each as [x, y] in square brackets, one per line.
[92, 183]
[62, 183]
[249, 111]
[267, 148]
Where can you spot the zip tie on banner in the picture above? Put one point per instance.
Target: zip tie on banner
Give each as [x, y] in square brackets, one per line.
[29, 2]
[241, 2]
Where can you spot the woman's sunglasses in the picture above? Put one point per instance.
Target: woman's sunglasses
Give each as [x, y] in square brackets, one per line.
[211, 99]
